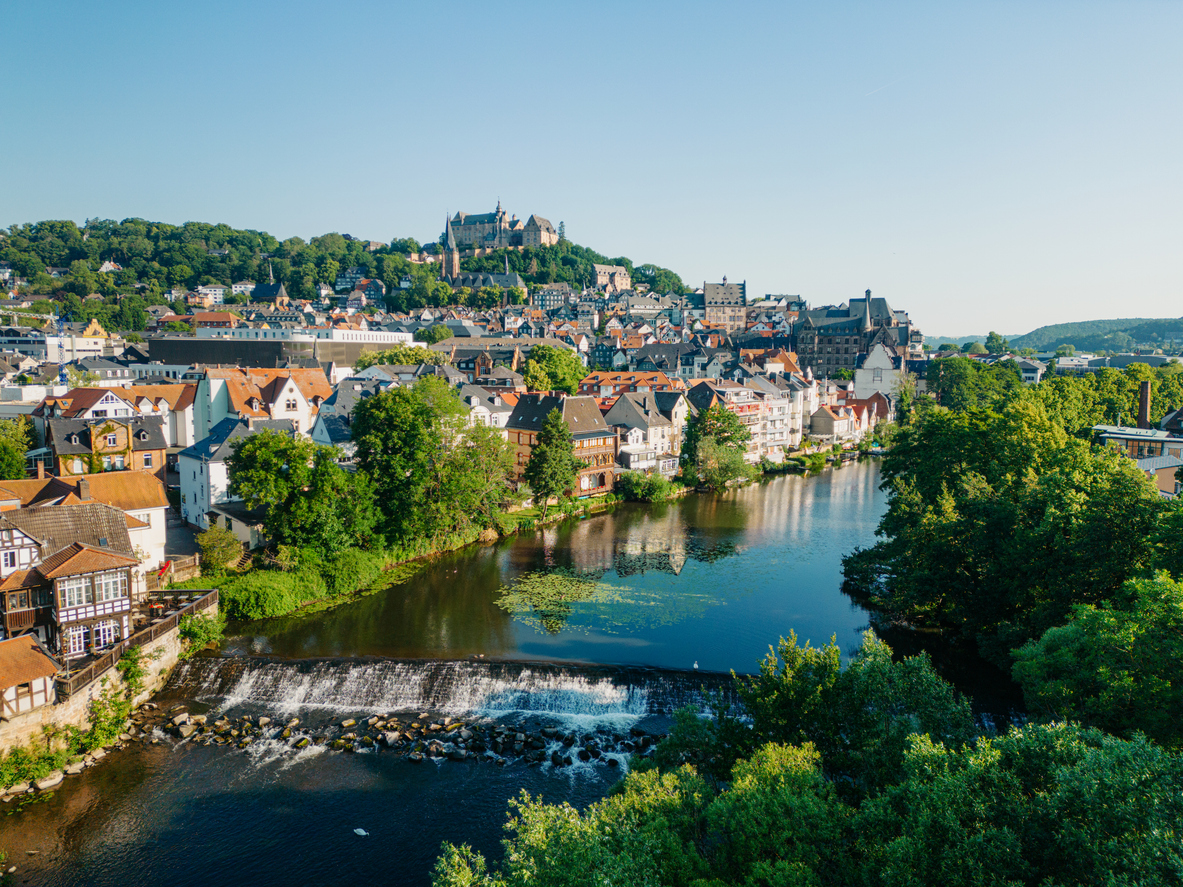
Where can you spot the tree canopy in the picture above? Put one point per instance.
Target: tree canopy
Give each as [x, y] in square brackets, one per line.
[552, 468]
[553, 369]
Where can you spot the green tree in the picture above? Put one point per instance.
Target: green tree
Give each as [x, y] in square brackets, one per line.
[399, 355]
[718, 423]
[310, 500]
[554, 369]
[716, 465]
[433, 473]
[996, 344]
[1118, 666]
[219, 549]
[432, 334]
[14, 444]
[552, 468]
[999, 523]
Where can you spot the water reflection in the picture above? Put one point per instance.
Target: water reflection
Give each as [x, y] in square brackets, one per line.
[713, 579]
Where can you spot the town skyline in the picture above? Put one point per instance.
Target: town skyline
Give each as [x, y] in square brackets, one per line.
[988, 166]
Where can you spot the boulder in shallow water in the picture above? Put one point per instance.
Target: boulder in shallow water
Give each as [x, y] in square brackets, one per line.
[457, 754]
[348, 722]
[415, 758]
[53, 779]
[263, 722]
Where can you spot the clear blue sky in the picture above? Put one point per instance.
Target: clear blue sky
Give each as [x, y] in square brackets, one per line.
[983, 165]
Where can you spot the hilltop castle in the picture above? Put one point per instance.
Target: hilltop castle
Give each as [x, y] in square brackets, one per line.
[496, 230]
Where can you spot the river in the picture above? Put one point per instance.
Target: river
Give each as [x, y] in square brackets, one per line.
[574, 626]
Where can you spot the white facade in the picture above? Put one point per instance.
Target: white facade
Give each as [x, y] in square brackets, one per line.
[878, 374]
[204, 484]
[306, 334]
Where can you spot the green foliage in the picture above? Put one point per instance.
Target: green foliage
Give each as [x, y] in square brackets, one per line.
[960, 383]
[716, 464]
[553, 369]
[131, 666]
[996, 344]
[552, 468]
[352, 569]
[868, 775]
[219, 549]
[432, 334]
[547, 596]
[636, 486]
[1118, 667]
[399, 355]
[268, 593]
[14, 443]
[434, 475]
[716, 422]
[310, 500]
[1103, 335]
[199, 630]
[999, 523]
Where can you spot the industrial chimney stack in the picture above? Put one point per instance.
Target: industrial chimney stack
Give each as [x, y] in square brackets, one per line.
[1144, 405]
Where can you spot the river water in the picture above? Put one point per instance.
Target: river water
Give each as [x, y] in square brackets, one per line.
[575, 626]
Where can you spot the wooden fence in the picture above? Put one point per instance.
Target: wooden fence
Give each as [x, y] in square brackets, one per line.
[68, 685]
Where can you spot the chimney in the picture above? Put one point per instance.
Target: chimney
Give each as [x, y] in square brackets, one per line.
[1144, 405]
[83, 489]
[40, 471]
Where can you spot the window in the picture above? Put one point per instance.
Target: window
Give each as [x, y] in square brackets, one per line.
[9, 559]
[290, 404]
[147, 460]
[18, 600]
[106, 463]
[111, 586]
[119, 463]
[112, 440]
[877, 375]
[104, 634]
[99, 414]
[76, 641]
[75, 592]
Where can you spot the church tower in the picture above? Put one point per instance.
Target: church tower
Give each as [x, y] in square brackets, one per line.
[451, 269]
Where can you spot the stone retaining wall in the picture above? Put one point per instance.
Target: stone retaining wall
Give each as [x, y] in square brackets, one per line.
[160, 657]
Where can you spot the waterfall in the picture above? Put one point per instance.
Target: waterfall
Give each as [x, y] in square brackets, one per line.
[500, 690]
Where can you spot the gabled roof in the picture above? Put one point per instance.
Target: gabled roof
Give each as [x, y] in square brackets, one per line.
[125, 490]
[76, 559]
[582, 414]
[147, 433]
[77, 401]
[22, 661]
[57, 526]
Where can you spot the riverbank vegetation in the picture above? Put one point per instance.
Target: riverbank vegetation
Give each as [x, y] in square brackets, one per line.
[872, 774]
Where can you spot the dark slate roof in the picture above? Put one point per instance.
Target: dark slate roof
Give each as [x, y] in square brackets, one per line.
[147, 433]
[216, 447]
[268, 292]
[582, 414]
[492, 402]
[636, 410]
[347, 394]
[57, 526]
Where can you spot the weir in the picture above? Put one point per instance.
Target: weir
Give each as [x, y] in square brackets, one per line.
[492, 689]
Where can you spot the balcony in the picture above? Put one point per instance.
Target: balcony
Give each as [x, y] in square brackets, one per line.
[19, 620]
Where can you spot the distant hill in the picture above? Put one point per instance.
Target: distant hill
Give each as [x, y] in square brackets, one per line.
[935, 341]
[1103, 335]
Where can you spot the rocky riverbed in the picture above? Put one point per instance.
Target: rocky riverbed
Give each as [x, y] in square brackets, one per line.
[419, 737]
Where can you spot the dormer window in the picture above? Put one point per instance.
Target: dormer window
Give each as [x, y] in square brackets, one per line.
[141, 435]
[112, 440]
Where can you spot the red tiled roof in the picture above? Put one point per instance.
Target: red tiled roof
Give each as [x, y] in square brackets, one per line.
[22, 660]
[76, 559]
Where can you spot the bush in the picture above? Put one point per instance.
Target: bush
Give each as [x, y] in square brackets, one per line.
[219, 548]
[199, 631]
[634, 486]
[271, 593]
[353, 569]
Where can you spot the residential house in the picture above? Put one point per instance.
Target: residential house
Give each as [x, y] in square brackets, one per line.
[67, 576]
[91, 446]
[334, 419]
[879, 372]
[595, 442]
[647, 434]
[138, 494]
[737, 399]
[485, 407]
[27, 677]
[609, 384]
[1162, 471]
[293, 394]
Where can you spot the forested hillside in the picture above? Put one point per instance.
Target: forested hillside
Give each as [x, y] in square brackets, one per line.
[156, 257]
[1119, 334]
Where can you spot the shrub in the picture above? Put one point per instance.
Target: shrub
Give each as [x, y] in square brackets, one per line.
[634, 486]
[200, 630]
[271, 593]
[352, 569]
[219, 548]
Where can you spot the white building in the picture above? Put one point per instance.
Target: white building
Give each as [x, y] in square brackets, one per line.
[880, 373]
